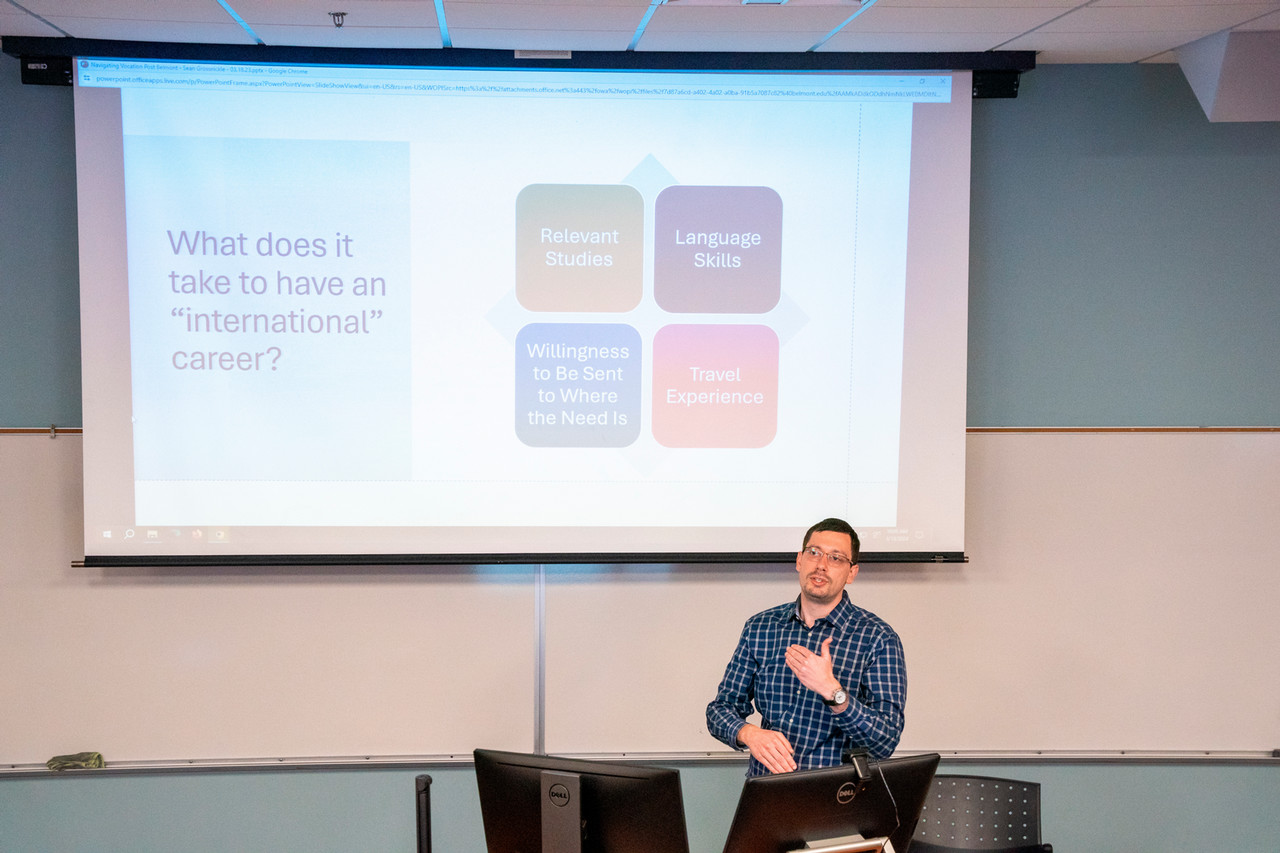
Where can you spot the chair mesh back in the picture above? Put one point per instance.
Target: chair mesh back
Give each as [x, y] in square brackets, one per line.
[980, 813]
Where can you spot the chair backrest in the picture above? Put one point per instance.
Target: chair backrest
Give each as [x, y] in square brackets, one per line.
[979, 813]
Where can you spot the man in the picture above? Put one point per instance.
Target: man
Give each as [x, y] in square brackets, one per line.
[824, 675]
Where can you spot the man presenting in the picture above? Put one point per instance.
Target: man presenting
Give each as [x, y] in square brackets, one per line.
[825, 675]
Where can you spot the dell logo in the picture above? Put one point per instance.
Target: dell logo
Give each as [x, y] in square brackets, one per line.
[846, 793]
[558, 794]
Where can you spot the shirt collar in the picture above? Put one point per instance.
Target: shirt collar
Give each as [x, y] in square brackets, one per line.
[839, 616]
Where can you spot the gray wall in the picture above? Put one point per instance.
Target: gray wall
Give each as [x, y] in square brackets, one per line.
[1124, 273]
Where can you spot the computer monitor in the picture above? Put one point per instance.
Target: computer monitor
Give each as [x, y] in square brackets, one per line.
[547, 804]
[822, 809]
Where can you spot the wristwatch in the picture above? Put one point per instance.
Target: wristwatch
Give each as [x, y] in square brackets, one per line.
[837, 698]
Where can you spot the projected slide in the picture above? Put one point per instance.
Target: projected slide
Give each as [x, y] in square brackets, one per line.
[398, 310]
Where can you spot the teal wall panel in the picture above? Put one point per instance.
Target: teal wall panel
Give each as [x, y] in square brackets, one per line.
[1132, 807]
[39, 270]
[1125, 256]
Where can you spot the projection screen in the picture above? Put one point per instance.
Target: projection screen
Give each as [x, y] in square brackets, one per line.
[338, 313]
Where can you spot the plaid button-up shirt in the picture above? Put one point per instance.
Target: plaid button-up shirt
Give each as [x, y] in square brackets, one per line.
[867, 660]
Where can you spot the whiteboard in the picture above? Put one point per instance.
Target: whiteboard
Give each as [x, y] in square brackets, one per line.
[1119, 596]
[148, 666]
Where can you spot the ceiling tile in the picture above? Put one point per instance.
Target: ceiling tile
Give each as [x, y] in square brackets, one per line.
[357, 37]
[855, 41]
[15, 23]
[226, 32]
[360, 14]
[747, 19]
[1099, 47]
[1128, 18]
[903, 19]
[503, 39]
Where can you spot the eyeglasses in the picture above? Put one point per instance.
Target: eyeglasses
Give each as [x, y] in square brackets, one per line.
[814, 555]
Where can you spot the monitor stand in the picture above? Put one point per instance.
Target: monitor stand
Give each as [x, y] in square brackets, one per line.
[561, 812]
[847, 844]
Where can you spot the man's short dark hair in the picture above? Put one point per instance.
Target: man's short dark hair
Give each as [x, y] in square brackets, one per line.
[835, 525]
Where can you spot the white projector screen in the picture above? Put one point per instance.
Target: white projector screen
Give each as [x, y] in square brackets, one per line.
[383, 314]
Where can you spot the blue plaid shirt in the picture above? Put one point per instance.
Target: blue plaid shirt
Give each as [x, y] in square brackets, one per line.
[867, 661]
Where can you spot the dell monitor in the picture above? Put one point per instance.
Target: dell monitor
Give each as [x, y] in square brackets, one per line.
[547, 804]
[832, 807]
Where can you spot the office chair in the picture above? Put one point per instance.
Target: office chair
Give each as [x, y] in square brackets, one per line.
[980, 813]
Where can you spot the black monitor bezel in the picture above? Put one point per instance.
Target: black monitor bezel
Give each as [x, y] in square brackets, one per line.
[614, 819]
[783, 812]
